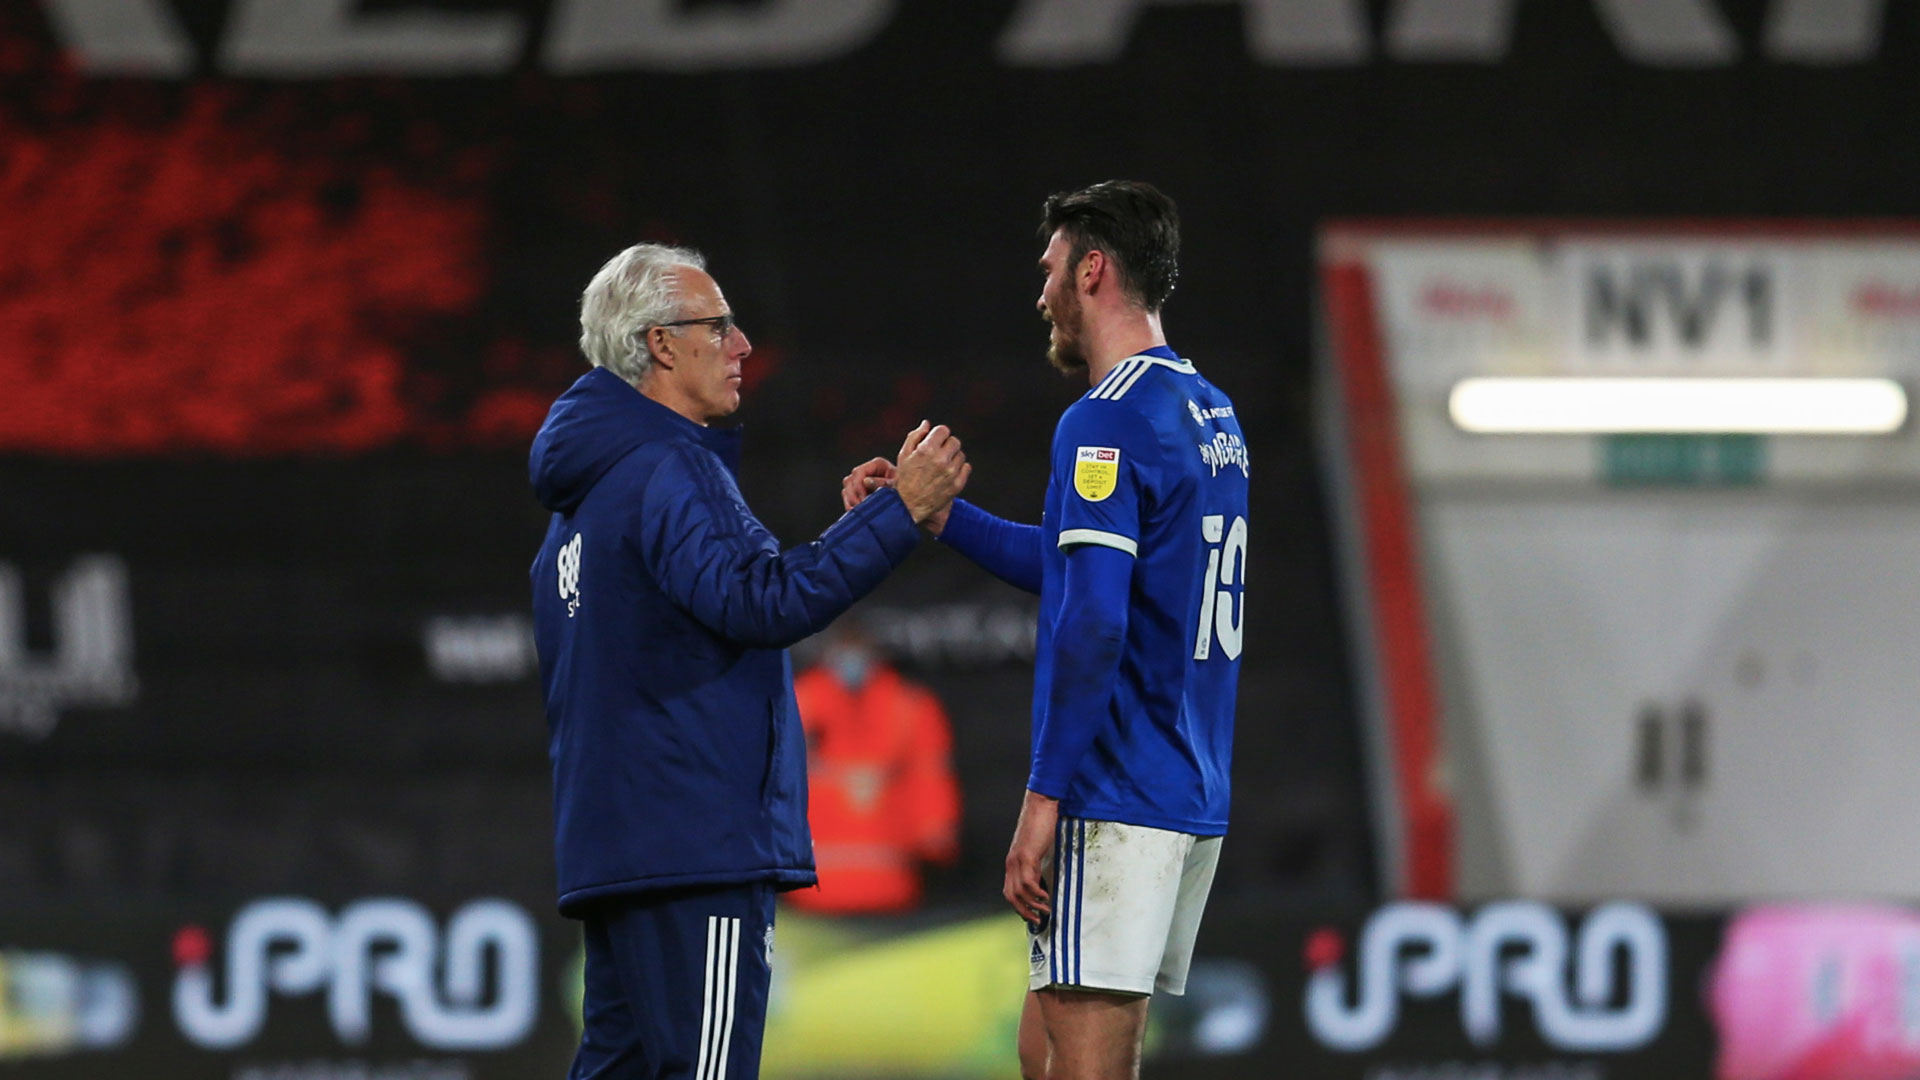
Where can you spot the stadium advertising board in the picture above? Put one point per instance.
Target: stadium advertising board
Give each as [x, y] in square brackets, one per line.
[1509, 949]
[1507, 989]
[287, 988]
[1523, 990]
[292, 946]
[1516, 989]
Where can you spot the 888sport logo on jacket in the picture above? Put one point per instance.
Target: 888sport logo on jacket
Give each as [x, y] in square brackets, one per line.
[568, 565]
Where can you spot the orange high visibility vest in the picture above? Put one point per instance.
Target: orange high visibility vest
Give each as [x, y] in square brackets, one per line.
[882, 797]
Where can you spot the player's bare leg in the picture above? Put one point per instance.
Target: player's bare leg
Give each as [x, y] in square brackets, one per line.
[1032, 1040]
[1093, 1035]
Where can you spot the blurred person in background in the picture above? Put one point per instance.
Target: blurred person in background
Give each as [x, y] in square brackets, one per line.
[883, 798]
[1139, 563]
[663, 610]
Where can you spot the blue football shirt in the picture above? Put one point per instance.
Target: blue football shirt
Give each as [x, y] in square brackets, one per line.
[1151, 462]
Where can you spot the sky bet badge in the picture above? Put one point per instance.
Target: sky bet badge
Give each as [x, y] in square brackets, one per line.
[1096, 472]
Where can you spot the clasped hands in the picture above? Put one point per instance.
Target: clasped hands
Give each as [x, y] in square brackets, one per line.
[931, 472]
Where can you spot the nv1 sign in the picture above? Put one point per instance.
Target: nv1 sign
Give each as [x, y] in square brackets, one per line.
[1674, 307]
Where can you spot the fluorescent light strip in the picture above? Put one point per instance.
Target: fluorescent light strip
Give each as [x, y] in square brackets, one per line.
[1569, 405]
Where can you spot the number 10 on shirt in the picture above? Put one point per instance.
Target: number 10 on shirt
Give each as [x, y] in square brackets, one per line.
[1222, 614]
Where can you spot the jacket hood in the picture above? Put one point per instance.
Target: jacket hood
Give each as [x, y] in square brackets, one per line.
[598, 421]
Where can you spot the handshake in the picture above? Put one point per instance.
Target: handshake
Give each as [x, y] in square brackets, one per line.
[931, 472]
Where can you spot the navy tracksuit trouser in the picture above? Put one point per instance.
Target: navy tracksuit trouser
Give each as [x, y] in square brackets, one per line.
[676, 985]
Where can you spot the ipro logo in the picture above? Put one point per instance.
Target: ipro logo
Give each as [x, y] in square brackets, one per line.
[289, 945]
[1518, 948]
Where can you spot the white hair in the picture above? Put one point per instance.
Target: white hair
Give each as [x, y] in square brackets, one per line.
[637, 290]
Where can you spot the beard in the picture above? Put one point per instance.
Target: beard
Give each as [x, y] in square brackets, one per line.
[1064, 351]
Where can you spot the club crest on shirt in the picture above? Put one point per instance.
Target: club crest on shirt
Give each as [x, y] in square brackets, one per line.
[1096, 472]
[1201, 416]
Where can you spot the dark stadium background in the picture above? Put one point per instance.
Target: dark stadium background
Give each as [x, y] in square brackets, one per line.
[277, 345]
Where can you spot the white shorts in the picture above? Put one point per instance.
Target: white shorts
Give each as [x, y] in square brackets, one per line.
[1126, 905]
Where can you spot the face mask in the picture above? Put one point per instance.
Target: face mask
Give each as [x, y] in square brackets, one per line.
[851, 666]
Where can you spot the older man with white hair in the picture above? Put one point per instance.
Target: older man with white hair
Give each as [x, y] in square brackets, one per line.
[663, 610]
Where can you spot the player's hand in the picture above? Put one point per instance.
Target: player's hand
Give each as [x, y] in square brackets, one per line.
[864, 480]
[1029, 857]
[932, 471]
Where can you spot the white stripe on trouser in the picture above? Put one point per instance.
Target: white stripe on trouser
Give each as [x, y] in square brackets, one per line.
[1079, 891]
[1059, 915]
[1069, 884]
[733, 983]
[1069, 933]
[716, 1018]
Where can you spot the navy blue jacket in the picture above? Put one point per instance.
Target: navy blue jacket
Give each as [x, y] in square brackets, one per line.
[663, 611]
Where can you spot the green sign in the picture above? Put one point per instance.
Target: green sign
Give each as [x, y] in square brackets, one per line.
[1683, 459]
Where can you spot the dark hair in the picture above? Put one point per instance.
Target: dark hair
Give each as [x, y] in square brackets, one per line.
[1133, 223]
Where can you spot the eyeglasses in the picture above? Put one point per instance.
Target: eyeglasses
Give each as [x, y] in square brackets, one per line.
[721, 325]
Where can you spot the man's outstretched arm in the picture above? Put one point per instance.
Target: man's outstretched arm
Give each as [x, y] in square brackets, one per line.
[716, 561]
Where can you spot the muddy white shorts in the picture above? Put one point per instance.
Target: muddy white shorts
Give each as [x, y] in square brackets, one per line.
[1126, 905]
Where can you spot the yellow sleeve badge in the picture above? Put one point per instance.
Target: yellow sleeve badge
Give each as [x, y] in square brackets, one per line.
[1096, 472]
